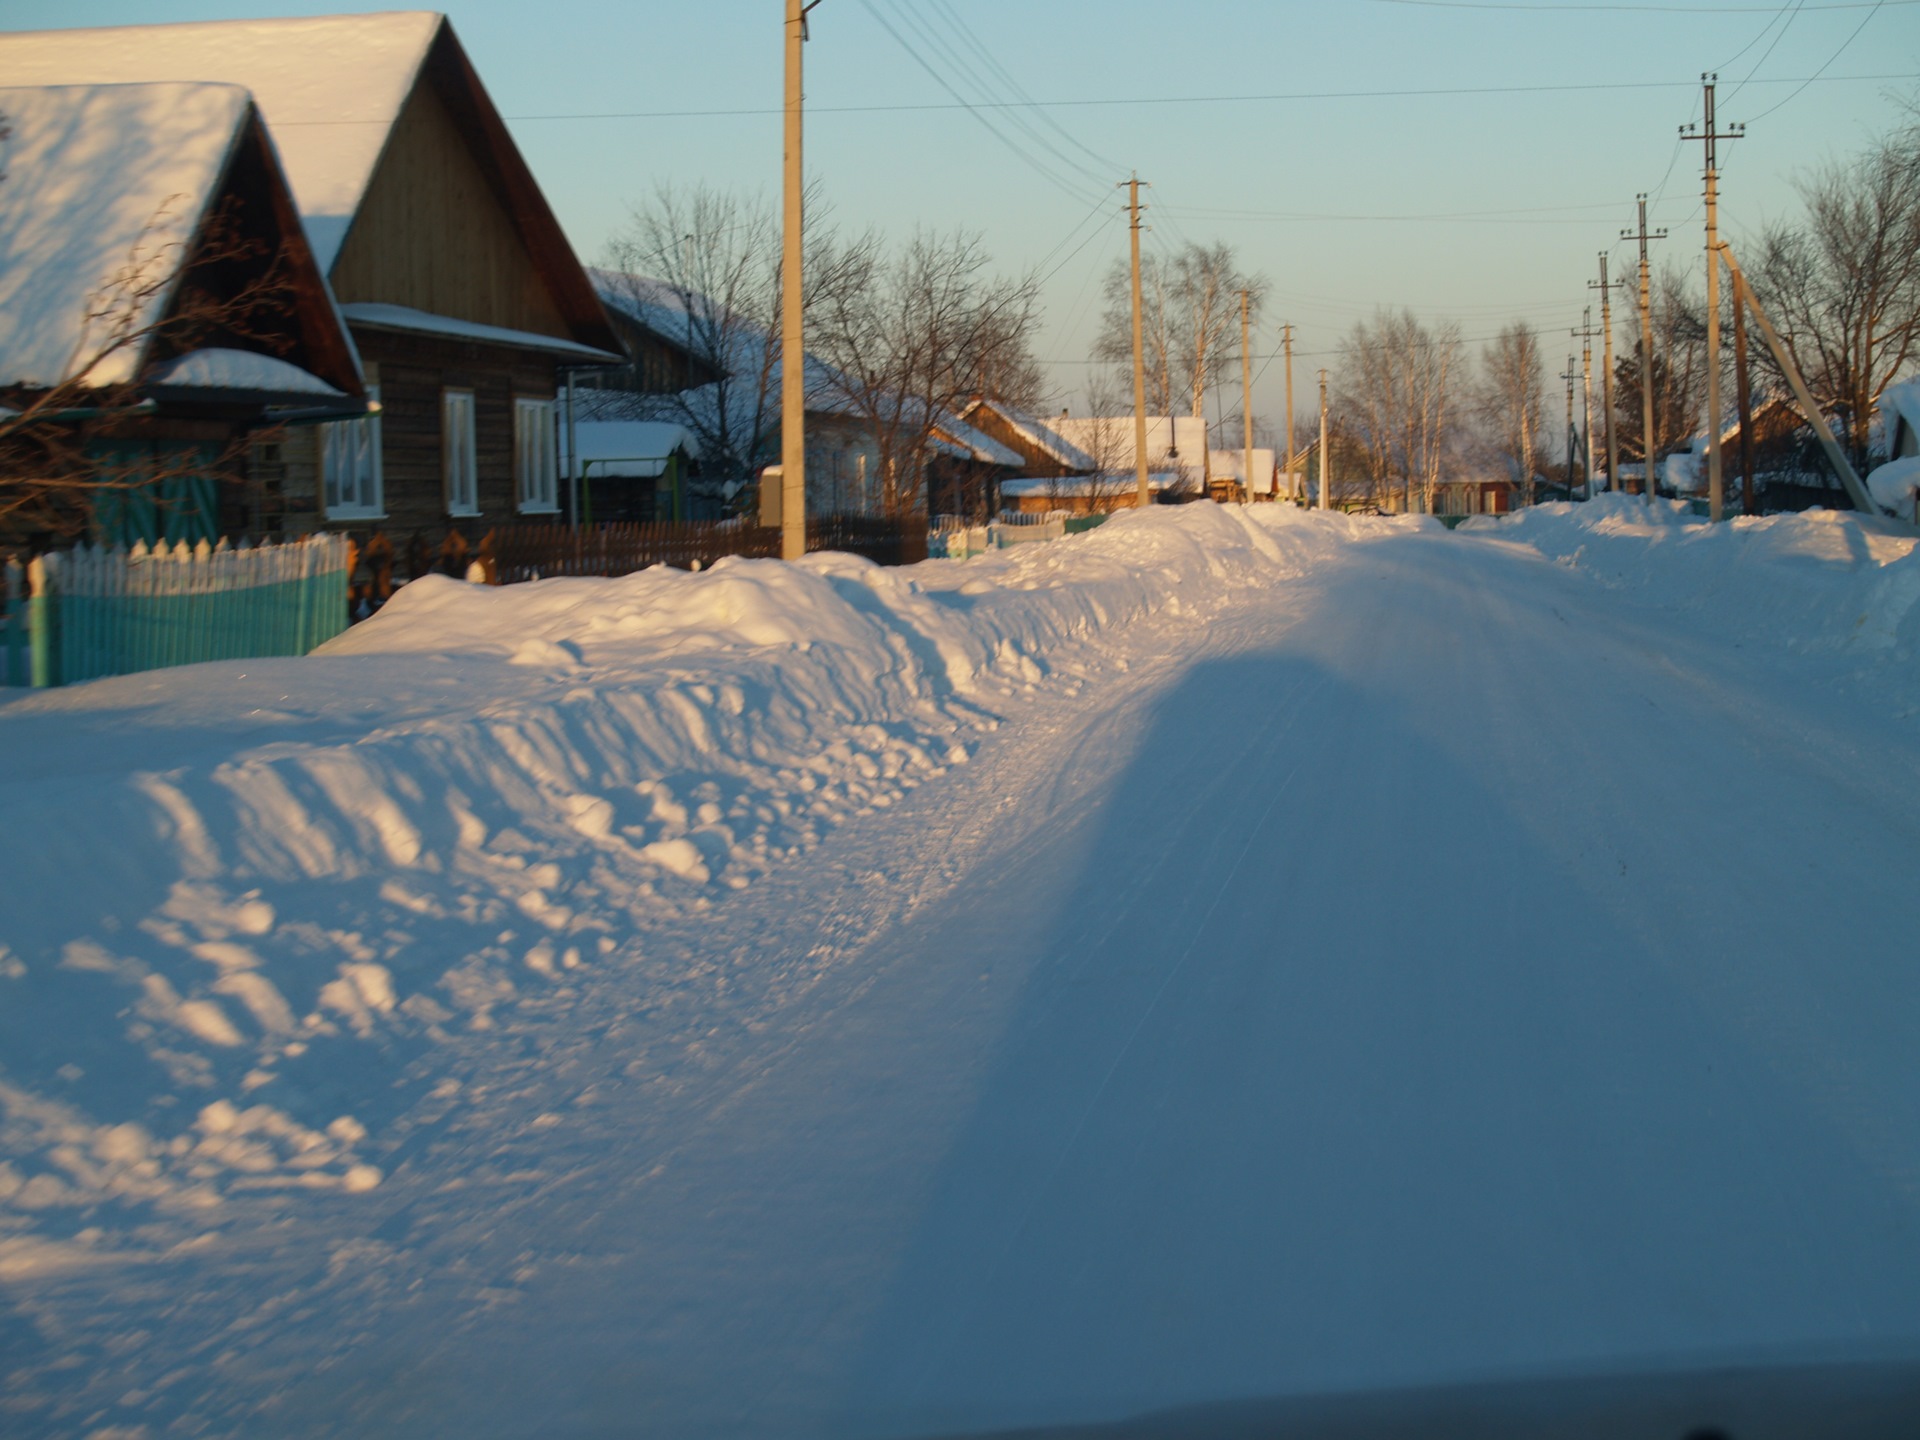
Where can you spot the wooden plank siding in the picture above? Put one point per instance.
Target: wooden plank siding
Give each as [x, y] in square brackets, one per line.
[413, 371]
[435, 234]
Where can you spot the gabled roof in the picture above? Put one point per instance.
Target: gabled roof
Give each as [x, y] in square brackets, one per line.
[108, 191]
[656, 306]
[1172, 440]
[330, 88]
[1042, 437]
[971, 444]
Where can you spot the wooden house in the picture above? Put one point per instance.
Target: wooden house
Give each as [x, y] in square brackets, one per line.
[460, 291]
[159, 303]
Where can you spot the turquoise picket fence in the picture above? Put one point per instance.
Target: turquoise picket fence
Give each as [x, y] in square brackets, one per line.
[91, 611]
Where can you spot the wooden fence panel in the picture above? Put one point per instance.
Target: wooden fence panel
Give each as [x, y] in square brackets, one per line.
[92, 611]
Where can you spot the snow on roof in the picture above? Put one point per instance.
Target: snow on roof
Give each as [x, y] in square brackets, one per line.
[216, 368]
[99, 178]
[1078, 486]
[1036, 433]
[1900, 405]
[632, 448]
[972, 444]
[401, 317]
[1176, 440]
[329, 86]
[1229, 465]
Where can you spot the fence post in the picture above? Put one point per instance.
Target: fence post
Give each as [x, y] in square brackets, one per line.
[16, 622]
[40, 618]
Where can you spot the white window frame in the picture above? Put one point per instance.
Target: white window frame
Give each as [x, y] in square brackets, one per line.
[536, 469]
[459, 460]
[352, 485]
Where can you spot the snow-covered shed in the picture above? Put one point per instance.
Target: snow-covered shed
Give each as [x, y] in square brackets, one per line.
[634, 470]
[158, 302]
[456, 281]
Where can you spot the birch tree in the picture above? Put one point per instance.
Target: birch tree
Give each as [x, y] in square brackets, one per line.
[1511, 400]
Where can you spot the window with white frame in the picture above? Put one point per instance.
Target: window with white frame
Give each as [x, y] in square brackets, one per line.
[535, 471]
[350, 465]
[459, 467]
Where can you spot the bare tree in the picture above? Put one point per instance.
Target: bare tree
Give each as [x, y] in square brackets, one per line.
[1843, 284]
[911, 338]
[1511, 401]
[1189, 312]
[1679, 367]
[1395, 389]
[222, 286]
[1108, 442]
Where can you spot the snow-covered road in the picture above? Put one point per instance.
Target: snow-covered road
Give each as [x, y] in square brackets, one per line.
[1428, 962]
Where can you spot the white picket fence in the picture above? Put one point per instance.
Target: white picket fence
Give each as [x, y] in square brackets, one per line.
[92, 611]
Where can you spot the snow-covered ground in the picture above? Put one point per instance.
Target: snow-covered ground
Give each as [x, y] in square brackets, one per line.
[1228, 953]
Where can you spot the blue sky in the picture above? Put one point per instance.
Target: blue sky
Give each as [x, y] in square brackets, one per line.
[1482, 204]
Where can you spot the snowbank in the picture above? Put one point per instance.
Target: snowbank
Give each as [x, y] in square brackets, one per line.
[1895, 484]
[243, 898]
[1819, 579]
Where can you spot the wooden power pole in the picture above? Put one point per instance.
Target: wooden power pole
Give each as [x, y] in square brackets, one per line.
[793, 350]
[1570, 375]
[1710, 136]
[1649, 487]
[1246, 396]
[1743, 398]
[1585, 332]
[1606, 373]
[1324, 488]
[1145, 496]
[1286, 343]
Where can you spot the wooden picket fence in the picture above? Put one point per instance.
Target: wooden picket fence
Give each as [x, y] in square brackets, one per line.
[543, 552]
[91, 611]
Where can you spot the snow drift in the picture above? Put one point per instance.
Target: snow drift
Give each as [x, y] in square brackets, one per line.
[244, 896]
[246, 899]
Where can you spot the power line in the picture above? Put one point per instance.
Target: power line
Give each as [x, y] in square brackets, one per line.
[1830, 59]
[1279, 97]
[976, 111]
[1638, 9]
[967, 71]
[968, 36]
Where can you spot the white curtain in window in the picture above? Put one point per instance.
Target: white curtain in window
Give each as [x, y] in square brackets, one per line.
[459, 466]
[534, 468]
[350, 466]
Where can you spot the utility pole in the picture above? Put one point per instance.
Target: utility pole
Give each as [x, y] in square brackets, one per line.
[1570, 376]
[1144, 497]
[1324, 489]
[1286, 342]
[1585, 332]
[1710, 137]
[793, 350]
[1606, 373]
[1246, 396]
[1743, 397]
[1649, 487]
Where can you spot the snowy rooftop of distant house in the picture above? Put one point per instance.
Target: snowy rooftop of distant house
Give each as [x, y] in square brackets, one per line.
[1074, 487]
[972, 444]
[96, 174]
[1229, 464]
[329, 86]
[1038, 434]
[1178, 439]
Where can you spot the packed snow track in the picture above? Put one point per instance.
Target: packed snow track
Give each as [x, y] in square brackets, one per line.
[1227, 955]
